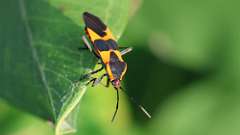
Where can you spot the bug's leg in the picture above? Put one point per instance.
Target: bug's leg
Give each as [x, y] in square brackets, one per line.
[92, 80]
[91, 73]
[87, 44]
[98, 80]
[108, 82]
[125, 51]
[123, 47]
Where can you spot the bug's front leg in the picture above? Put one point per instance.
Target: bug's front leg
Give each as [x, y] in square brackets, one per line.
[108, 82]
[92, 80]
[98, 80]
[91, 73]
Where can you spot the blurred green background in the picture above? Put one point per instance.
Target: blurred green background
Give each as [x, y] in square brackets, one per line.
[185, 69]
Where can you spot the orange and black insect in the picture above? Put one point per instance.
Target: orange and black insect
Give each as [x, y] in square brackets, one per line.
[104, 46]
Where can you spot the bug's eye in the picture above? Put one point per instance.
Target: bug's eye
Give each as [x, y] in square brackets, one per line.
[116, 83]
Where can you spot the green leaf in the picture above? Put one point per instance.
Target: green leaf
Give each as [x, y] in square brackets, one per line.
[39, 56]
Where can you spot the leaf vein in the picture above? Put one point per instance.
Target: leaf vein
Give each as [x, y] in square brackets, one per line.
[34, 52]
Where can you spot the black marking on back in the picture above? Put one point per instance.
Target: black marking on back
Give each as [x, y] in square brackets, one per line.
[116, 66]
[113, 44]
[102, 45]
[94, 23]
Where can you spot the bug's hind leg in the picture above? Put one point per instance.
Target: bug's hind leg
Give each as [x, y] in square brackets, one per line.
[126, 50]
[86, 43]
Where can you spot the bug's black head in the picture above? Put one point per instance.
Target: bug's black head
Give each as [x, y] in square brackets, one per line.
[116, 83]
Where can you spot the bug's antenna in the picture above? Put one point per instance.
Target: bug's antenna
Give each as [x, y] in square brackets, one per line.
[140, 106]
[116, 110]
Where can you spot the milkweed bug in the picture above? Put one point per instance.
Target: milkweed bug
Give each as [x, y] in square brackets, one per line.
[104, 46]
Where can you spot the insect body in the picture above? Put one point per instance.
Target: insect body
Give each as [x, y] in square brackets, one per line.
[106, 49]
[104, 46]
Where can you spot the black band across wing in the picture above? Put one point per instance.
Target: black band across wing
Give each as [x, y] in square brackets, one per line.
[94, 23]
[112, 44]
[117, 67]
[100, 45]
[103, 45]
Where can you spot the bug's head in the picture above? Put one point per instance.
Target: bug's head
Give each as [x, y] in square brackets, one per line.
[116, 83]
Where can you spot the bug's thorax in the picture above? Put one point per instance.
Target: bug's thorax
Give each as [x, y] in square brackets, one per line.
[114, 65]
